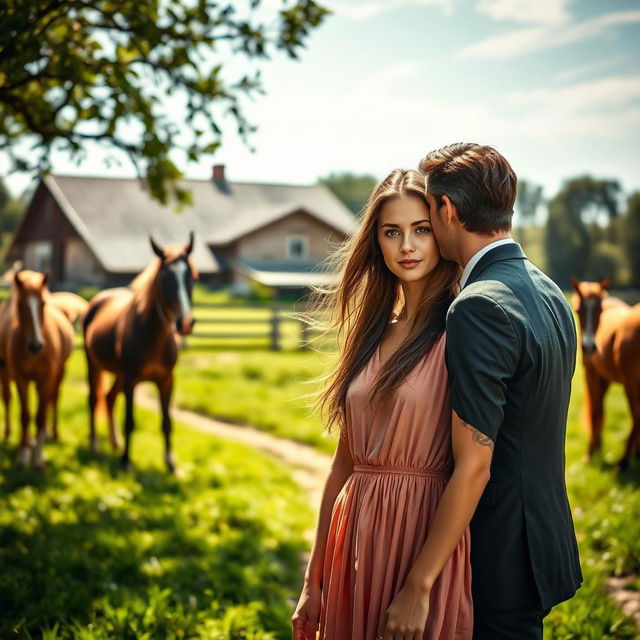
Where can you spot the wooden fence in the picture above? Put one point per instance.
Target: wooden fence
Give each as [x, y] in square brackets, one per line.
[269, 325]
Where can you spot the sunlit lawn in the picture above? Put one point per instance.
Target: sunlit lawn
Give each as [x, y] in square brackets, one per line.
[227, 534]
[89, 552]
[264, 389]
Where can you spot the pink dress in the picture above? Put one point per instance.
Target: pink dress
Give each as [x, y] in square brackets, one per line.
[381, 517]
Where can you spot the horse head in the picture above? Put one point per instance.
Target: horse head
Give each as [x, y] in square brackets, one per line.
[175, 283]
[587, 303]
[31, 292]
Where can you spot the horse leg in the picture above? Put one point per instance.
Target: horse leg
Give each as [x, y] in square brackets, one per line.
[633, 397]
[165, 387]
[45, 395]
[111, 400]
[24, 449]
[95, 375]
[128, 386]
[6, 396]
[596, 390]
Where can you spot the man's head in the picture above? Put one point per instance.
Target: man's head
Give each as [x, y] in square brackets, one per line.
[471, 189]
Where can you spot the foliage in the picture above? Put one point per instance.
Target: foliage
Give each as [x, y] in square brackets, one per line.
[11, 210]
[353, 189]
[631, 237]
[576, 215]
[73, 71]
[528, 201]
[89, 552]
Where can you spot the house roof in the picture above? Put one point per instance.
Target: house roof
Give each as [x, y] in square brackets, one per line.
[115, 216]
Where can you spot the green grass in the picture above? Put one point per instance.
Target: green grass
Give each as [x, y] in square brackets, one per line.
[606, 511]
[255, 387]
[262, 388]
[89, 552]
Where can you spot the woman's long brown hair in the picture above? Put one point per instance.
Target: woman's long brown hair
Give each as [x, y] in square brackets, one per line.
[358, 307]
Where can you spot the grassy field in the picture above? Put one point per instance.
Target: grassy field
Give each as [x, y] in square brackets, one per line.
[128, 554]
[263, 388]
[89, 552]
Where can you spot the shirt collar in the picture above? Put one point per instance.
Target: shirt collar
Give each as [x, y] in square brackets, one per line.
[476, 258]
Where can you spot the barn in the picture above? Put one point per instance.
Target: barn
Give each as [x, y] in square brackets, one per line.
[94, 231]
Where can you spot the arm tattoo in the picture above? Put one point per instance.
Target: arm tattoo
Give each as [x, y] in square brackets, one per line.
[480, 438]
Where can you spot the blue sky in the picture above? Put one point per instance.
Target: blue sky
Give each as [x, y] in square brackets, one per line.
[553, 84]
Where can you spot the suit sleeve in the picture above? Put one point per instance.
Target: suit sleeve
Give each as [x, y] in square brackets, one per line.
[481, 354]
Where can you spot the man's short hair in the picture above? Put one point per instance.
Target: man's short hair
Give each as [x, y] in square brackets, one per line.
[478, 180]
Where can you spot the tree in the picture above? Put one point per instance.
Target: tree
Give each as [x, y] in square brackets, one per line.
[577, 215]
[631, 236]
[528, 199]
[353, 189]
[73, 71]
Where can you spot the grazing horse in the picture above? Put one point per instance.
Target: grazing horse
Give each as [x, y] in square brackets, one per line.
[610, 341]
[131, 332]
[73, 306]
[36, 339]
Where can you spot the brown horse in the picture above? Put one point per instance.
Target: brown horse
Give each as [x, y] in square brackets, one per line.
[131, 332]
[36, 339]
[610, 340]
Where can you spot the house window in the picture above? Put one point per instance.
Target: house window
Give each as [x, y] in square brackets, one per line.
[38, 255]
[297, 247]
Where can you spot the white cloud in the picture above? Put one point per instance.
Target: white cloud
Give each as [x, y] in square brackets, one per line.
[372, 8]
[601, 109]
[573, 73]
[521, 41]
[538, 12]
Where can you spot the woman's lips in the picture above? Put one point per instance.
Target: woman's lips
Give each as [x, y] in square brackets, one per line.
[409, 264]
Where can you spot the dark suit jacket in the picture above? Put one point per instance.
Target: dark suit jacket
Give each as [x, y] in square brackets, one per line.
[510, 352]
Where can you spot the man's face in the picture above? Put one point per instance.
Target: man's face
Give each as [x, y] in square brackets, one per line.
[439, 226]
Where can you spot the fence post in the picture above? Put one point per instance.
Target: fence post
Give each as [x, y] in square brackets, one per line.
[275, 329]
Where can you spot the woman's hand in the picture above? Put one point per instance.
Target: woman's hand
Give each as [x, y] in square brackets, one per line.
[406, 617]
[306, 617]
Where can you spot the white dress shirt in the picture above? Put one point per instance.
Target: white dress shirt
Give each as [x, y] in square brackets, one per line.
[466, 272]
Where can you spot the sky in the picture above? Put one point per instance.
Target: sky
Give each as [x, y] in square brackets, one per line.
[554, 85]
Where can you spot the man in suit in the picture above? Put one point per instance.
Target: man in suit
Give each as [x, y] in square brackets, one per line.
[510, 352]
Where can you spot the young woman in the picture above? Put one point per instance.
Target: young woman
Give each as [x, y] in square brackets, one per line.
[384, 563]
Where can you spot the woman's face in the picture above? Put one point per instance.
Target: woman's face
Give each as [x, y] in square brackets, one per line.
[405, 237]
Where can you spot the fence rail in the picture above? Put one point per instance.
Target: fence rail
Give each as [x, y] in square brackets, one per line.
[278, 326]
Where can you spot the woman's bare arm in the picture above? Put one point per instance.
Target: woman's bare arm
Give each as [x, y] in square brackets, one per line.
[341, 469]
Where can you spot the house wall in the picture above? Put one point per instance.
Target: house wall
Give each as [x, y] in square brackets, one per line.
[269, 242]
[46, 239]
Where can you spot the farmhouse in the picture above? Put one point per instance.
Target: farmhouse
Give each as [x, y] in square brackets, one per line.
[95, 231]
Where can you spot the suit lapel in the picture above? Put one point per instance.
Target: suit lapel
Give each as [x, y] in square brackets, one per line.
[511, 251]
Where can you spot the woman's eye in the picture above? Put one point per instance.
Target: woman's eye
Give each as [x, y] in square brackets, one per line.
[388, 231]
[424, 229]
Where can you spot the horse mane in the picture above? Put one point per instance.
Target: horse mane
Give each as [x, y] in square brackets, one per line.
[143, 286]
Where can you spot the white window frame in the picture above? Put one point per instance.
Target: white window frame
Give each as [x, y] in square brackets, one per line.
[304, 239]
[42, 254]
